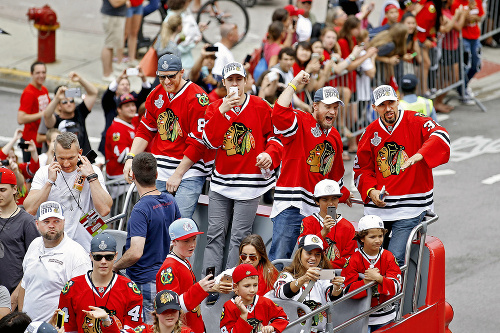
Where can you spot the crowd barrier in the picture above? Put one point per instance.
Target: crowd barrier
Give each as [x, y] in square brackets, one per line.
[491, 22]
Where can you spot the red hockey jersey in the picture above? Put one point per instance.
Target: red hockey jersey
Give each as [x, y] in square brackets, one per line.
[177, 275]
[263, 312]
[382, 152]
[239, 136]
[175, 122]
[339, 244]
[119, 138]
[121, 299]
[310, 154]
[426, 22]
[388, 268]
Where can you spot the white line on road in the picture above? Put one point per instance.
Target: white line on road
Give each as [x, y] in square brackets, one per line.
[11, 90]
[444, 172]
[491, 180]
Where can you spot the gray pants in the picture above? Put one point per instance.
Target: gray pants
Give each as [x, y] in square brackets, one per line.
[220, 212]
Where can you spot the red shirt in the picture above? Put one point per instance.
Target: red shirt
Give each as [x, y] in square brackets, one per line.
[426, 22]
[33, 100]
[348, 80]
[470, 30]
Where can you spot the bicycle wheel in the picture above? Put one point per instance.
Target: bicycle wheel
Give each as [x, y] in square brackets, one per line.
[216, 13]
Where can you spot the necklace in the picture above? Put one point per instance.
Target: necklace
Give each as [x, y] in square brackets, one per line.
[101, 289]
[8, 219]
[146, 193]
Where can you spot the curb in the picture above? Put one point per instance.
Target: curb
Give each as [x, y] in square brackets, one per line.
[20, 79]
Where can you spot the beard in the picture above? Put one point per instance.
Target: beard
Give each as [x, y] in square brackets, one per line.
[51, 237]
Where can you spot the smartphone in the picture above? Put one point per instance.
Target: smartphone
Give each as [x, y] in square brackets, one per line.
[23, 145]
[73, 92]
[212, 48]
[132, 71]
[247, 58]
[381, 196]
[327, 274]
[210, 270]
[226, 278]
[272, 76]
[91, 155]
[315, 56]
[60, 319]
[332, 211]
[4, 162]
[414, 54]
[233, 89]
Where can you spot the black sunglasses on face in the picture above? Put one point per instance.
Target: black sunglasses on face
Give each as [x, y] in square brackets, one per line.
[68, 101]
[108, 257]
[170, 76]
[307, 2]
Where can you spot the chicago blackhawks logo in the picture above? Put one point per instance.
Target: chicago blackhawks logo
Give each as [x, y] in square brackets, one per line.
[134, 288]
[313, 306]
[93, 325]
[238, 140]
[321, 158]
[202, 99]
[256, 324]
[116, 136]
[67, 286]
[167, 276]
[169, 126]
[332, 252]
[390, 158]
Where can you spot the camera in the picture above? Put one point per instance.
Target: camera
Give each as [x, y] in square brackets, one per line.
[5, 162]
[73, 92]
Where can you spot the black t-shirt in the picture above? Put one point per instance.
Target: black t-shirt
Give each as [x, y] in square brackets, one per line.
[16, 234]
[76, 125]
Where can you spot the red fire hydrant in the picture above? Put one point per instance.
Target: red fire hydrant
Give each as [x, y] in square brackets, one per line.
[46, 24]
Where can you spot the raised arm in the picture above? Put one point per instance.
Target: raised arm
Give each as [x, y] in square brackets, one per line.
[91, 90]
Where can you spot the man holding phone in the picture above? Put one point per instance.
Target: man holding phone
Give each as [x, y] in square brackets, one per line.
[79, 189]
[71, 117]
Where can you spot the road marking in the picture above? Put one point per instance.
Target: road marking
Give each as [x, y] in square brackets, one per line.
[442, 117]
[469, 147]
[491, 180]
[444, 172]
[11, 90]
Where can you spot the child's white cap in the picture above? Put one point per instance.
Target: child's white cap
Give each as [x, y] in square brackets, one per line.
[327, 187]
[370, 222]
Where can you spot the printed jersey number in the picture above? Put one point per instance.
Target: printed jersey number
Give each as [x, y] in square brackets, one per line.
[224, 329]
[135, 313]
[429, 125]
[66, 314]
[201, 124]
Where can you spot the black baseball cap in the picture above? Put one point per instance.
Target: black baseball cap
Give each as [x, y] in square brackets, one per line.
[409, 81]
[165, 300]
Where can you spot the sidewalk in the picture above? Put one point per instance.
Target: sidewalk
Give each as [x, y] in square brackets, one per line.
[80, 51]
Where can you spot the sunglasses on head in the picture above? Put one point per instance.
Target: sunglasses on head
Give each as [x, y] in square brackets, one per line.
[66, 101]
[169, 76]
[244, 257]
[108, 257]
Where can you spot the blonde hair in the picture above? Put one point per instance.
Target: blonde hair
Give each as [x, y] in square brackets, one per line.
[169, 29]
[177, 327]
[397, 34]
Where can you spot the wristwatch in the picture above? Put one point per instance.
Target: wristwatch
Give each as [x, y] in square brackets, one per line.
[129, 157]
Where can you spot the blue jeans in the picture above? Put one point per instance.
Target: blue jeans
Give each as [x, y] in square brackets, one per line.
[401, 230]
[472, 59]
[148, 291]
[286, 230]
[187, 194]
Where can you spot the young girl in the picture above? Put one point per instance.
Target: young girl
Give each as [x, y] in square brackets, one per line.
[308, 261]
[167, 317]
[376, 264]
[249, 312]
[336, 232]
[168, 40]
[253, 252]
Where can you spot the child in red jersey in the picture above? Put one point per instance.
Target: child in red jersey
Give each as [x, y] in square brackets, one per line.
[249, 312]
[336, 232]
[376, 264]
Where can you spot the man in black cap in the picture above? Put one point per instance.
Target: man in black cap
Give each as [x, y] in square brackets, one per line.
[101, 287]
[174, 118]
[410, 100]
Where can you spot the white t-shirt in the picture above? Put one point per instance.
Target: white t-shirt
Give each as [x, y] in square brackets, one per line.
[363, 81]
[42, 159]
[304, 28]
[46, 271]
[224, 57]
[74, 203]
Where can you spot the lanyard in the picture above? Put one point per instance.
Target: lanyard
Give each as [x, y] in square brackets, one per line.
[71, 192]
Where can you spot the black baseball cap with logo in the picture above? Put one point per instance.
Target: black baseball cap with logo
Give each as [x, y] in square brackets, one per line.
[166, 300]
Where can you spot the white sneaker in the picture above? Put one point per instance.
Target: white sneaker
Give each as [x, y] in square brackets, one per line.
[470, 93]
[109, 78]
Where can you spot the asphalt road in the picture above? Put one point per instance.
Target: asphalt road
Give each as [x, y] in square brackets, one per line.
[465, 201]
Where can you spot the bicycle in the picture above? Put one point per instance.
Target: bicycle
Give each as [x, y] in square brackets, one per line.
[214, 13]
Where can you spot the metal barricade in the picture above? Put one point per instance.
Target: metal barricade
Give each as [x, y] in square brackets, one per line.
[124, 195]
[491, 22]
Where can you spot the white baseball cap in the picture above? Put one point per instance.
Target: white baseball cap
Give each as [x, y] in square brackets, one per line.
[370, 222]
[383, 93]
[327, 95]
[233, 68]
[49, 209]
[311, 242]
[327, 187]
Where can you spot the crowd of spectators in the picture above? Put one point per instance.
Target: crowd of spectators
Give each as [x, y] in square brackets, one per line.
[253, 130]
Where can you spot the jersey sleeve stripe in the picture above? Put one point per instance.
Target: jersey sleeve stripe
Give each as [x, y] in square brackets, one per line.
[207, 142]
[443, 135]
[289, 131]
[151, 129]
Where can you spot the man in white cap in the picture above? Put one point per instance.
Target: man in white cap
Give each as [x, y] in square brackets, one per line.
[312, 152]
[101, 287]
[174, 119]
[397, 153]
[50, 261]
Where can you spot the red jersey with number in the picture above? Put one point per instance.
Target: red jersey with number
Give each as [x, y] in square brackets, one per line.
[381, 153]
[119, 138]
[262, 312]
[121, 299]
[310, 154]
[339, 243]
[239, 136]
[175, 121]
[177, 275]
[33, 101]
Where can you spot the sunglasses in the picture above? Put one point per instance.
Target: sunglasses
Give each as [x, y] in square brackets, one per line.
[244, 257]
[170, 76]
[307, 2]
[68, 101]
[108, 257]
